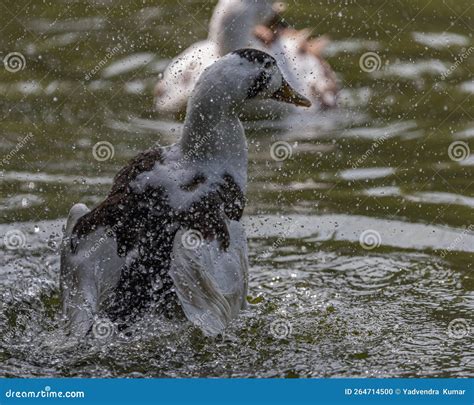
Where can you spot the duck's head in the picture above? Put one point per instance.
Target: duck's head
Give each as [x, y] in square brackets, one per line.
[222, 92]
[233, 21]
[244, 75]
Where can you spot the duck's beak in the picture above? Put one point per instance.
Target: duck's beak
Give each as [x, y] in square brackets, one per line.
[288, 95]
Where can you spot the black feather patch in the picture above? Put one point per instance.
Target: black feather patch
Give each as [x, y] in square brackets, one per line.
[254, 55]
[259, 84]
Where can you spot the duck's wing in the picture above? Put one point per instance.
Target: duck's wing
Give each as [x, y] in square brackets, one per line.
[211, 283]
[94, 246]
[123, 209]
[144, 228]
[146, 279]
[209, 265]
[173, 90]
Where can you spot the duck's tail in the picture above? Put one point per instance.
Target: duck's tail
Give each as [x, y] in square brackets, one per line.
[77, 211]
[72, 303]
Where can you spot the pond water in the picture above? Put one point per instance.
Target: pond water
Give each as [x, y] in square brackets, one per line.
[361, 232]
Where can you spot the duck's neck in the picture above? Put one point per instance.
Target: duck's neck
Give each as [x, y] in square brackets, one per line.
[233, 21]
[213, 132]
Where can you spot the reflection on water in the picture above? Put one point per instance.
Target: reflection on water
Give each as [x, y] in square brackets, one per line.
[361, 238]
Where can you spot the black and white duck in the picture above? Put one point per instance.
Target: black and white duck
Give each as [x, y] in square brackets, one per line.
[169, 235]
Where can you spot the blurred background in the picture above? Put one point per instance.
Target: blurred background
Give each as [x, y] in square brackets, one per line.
[361, 233]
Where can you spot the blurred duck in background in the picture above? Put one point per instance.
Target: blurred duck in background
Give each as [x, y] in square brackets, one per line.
[258, 24]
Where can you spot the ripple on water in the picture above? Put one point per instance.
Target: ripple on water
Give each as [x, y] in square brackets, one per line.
[315, 311]
[415, 70]
[440, 40]
[20, 201]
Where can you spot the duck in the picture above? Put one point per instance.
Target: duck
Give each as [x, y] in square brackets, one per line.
[258, 24]
[168, 237]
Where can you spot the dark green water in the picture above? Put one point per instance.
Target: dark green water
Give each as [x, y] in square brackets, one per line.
[383, 165]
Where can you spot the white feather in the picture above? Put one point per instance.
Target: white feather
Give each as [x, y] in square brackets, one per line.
[211, 284]
[89, 275]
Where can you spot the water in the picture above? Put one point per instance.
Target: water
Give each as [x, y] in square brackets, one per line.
[361, 240]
